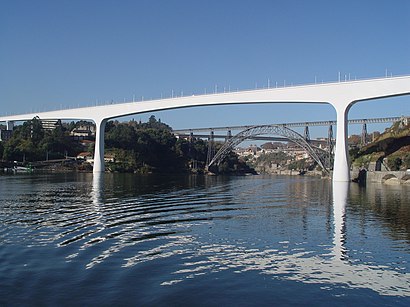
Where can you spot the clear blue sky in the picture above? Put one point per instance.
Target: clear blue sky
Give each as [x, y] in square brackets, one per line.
[77, 52]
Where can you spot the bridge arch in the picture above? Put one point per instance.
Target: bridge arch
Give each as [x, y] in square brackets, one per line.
[406, 179]
[316, 153]
[389, 178]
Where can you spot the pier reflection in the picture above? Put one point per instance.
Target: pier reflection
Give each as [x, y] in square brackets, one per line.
[340, 193]
[97, 191]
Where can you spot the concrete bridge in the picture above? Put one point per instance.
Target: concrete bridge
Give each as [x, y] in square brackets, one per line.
[341, 95]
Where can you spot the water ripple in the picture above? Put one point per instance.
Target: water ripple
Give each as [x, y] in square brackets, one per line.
[285, 231]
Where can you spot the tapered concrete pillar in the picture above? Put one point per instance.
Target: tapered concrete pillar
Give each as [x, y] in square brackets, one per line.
[341, 167]
[99, 146]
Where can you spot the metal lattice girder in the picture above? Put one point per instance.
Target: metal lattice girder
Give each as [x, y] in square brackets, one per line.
[317, 154]
[300, 124]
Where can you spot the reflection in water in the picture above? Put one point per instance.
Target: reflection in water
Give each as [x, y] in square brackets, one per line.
[298, 264]
[286, 228]
[97, 192]
[389, 203]
[340, 191]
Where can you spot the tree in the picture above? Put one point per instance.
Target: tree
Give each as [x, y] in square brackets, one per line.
[137, 147]
[394, 163]
[406, 161]
[1, 149]
[120, 136]
[23, 143]
[30, 142]
[299, 165]
[155, 124]
[57, 143]
[354, 139]
[37, 131]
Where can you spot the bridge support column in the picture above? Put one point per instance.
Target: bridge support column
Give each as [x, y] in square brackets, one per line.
[211, 148]
[364, 134]
[306, 134]
[228, 136]
[330, 138]
[341, 165]
[99, 147]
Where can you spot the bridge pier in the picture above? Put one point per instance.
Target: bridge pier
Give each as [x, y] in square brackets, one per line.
[211, 148]
[330, 143]
[364, 134]
[341, 165]
[306, 134]
[99, 166]
[228, 136]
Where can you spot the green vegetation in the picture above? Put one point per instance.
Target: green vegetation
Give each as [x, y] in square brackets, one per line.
[266, 161]
[231, 165]
[273, 158]
[301, 165]
[130, 147]
[1, 149]
[391, 148]
[279, 160]
[30, 142]
[151, 147]
[143, 147]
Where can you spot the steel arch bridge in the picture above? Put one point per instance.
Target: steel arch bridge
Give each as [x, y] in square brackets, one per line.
[321, 156]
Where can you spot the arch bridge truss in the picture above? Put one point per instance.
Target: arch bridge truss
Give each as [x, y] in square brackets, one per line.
[322, 157]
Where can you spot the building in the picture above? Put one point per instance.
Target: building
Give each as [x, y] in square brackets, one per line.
[84, 131]
[5, 135]
[50, 124]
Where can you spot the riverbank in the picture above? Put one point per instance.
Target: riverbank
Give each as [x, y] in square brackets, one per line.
[74, 165]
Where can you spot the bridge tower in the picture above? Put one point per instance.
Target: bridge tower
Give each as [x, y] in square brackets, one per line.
[330, 144]
[190, 144]
[364, 134]
[228, 136]
[306, 134]
[211, 148]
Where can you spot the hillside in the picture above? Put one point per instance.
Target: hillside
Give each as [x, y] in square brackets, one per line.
[391, 148]
[129, 147]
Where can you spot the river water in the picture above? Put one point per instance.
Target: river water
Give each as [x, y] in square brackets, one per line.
[124, 239]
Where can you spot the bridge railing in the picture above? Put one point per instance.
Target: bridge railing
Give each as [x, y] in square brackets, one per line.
[173, 95]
